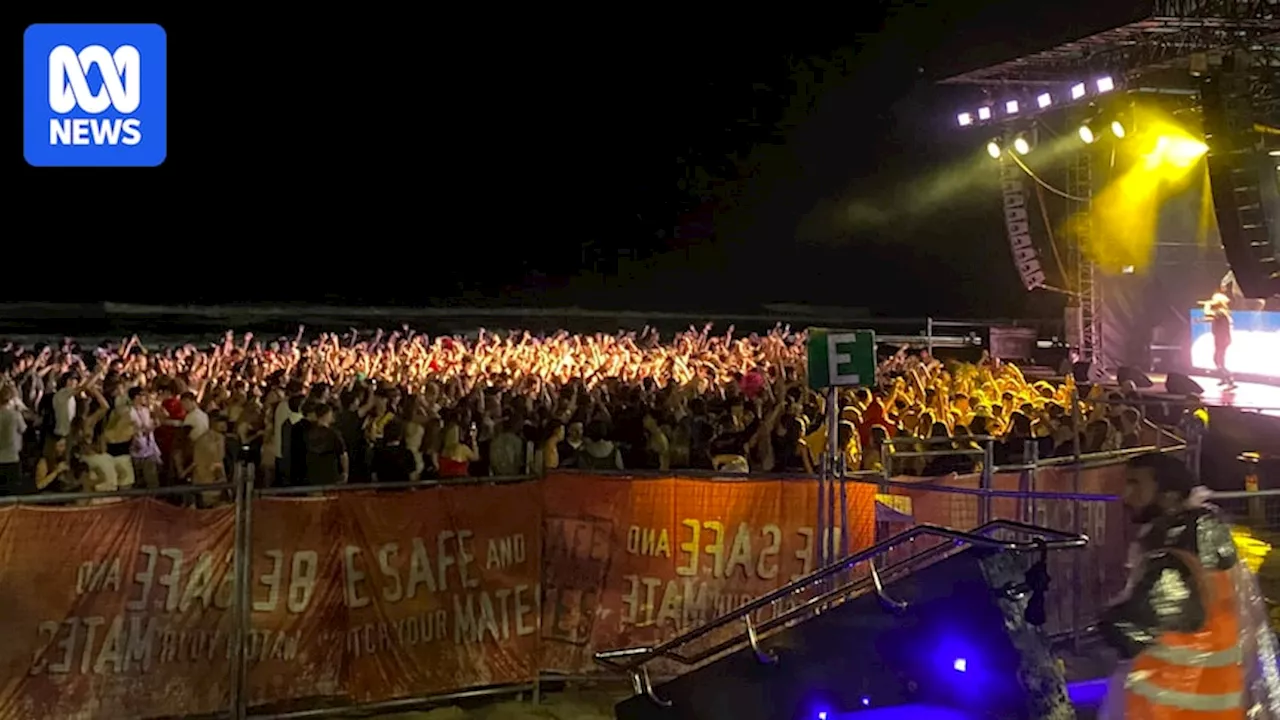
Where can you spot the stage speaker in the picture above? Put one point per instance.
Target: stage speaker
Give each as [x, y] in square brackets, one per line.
[1087, 373]
[952, 634]
[1179, 384]
[1139, 378]
[1242, 178]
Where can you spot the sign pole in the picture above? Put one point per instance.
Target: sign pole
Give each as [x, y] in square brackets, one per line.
[837, 359]
[831, 472]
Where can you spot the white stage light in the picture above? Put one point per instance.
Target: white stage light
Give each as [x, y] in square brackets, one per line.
[1011, 107]
[1021, 145]
[1077, 91]
[1106, 84]
[984, 113]
[1044, 100]
[965, 119]
[993, 149]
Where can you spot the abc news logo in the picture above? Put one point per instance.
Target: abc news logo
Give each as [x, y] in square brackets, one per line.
[69, 89]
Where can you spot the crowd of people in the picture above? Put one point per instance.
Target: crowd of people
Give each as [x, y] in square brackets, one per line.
[401, 407]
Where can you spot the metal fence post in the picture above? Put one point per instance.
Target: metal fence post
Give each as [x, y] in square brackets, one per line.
[1031, 459]
[984, 502]
[241, 619]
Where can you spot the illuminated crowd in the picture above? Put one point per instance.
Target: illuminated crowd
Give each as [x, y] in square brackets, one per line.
[401, 407]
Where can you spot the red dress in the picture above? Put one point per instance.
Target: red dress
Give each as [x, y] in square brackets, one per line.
[450, 468]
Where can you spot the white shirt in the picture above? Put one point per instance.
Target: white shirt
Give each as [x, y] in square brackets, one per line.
[198, 421]
[12, 426]
[64, 411]
[282, 415]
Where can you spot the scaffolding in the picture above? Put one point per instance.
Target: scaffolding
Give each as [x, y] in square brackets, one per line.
[1166, 50]
[1082, 311]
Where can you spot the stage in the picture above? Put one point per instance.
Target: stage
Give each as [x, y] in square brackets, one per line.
[1248, 396]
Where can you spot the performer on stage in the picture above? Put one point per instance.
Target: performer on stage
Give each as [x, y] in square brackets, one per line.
[1190, 623]
[1217, 310]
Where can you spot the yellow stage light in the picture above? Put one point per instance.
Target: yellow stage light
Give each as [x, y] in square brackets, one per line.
[1021, 145]
[993, 149]
[1086, 134]
[1117, 128]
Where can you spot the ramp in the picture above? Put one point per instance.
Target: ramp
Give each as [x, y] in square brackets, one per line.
[944, 627]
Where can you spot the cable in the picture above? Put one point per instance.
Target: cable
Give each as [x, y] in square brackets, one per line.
[1044, 184]
[1048, 228]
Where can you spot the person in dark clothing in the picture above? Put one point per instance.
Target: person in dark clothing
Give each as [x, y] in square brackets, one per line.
[326, 458]
[350, 426]
[1217, 310]
[298, 444]
[392, 461]
[284, 459]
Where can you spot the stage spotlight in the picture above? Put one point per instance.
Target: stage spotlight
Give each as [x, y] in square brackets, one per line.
[1274, 153]
[993, 149]
[1044, 101]
[1106, 84]
[1011, 107]
[1077, 91]
[1087, 134]
[965, 119]
[1021, 144]
[1117, 129]
[984, 113]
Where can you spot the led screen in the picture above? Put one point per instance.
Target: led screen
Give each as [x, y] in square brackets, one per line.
[1255, 343]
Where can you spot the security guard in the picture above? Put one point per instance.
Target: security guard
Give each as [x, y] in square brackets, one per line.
[1178, 620]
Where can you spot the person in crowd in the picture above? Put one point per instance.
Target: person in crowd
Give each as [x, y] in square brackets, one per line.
[297, 442]
[507, 449]
[53, 469]
[519, 402]
[456, 456]
[326, 455]
[392, 462]
[144, 450]
[207, 467]
[12, 427]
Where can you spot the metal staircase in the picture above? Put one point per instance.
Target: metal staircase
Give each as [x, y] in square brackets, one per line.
[825, 588]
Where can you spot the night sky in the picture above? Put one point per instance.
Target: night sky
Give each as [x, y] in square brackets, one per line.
[448, 162]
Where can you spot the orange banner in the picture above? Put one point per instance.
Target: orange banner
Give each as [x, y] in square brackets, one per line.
[123, 608]
[630, 562]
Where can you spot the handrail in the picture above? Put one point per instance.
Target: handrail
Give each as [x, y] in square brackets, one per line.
[636, 657]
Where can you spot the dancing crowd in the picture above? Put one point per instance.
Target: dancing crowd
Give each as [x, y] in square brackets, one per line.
[402, 407]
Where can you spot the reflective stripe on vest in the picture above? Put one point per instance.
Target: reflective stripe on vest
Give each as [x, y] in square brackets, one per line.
[1196, 672]
[1195, 702]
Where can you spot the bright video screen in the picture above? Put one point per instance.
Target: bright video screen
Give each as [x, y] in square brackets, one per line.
[1255, 343]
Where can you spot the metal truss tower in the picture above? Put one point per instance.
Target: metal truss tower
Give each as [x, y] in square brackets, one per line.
[1084, 320]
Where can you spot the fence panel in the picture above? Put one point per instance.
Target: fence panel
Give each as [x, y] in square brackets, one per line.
[632, 562]
[1083, 580]
[119, 609]
[126, 609]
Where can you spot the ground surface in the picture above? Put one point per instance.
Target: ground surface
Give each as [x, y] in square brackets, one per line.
[569, 705]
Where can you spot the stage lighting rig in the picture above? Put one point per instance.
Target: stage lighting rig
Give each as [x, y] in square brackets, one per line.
[1032, 102]
[994, 149]
[1087, 133]
[1022, 144]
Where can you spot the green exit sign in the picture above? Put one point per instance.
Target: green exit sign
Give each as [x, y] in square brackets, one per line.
[841, 358]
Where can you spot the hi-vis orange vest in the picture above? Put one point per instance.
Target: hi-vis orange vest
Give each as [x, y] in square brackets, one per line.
[1197, 675]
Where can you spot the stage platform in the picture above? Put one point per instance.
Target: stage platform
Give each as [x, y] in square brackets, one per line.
[1250, 396]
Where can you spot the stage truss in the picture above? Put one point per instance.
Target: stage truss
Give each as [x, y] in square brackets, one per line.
[1176, 41]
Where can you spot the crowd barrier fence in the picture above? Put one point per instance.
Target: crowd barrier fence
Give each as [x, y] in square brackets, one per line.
[303, 601]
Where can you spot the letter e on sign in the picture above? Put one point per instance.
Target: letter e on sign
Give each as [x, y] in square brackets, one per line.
[839, 358]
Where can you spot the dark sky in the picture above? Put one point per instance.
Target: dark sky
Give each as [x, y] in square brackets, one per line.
[441, 158]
